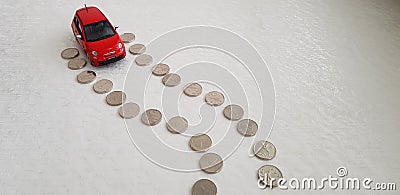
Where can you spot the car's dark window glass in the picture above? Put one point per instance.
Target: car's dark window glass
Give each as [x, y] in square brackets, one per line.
[78, 26]
[98, 31]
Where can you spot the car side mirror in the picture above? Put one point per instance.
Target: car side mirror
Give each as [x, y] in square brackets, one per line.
[78, 36]
[115, 27]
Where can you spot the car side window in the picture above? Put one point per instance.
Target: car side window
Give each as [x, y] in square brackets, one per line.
[80, 29]
[78, 25]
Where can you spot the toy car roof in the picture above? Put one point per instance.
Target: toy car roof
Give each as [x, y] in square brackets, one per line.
[89, 15]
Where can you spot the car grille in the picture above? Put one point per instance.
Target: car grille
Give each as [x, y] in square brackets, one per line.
[109, 53]
[111, 60]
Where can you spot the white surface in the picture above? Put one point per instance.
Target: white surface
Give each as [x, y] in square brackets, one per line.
[335, 65]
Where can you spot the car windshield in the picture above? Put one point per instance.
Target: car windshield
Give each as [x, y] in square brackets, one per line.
[98, 31]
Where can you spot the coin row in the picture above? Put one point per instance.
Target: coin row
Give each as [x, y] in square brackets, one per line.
[115, 98]
[210, 162]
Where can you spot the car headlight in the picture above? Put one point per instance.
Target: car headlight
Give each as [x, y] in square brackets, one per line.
[120, 45]
[94, 53]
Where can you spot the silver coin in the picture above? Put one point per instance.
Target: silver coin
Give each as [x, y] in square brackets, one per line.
[151, 117]
[233, 112]
[211, 163]
[264, 150]
[137, 49]
[103, 86]
[200, 142]
[215, 98]
[171, 80]
[144, 60]
[160, 69]
[86, 76]
[193, 90]
[177, 124]
[115, 98]
[247, 127]
[270, 175]
[69, 53]
[77, 63]
[129, 110]
[204, 187]
[127, 37]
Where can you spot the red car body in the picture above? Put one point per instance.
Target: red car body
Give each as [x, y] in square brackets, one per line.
[97, 37]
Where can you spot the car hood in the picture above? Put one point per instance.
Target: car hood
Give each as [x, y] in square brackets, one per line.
[104, 44]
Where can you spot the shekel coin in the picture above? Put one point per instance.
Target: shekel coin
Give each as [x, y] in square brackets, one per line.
[160, 69]
[103, 86]
[211, 163]
[215, 98]
[144, 60]
[129, 110]
[137, 49]
[233, 112]
[247, 127]
[264, 150]
[151, 117]
[127, 37]
[270, 175]
[86, 76]
[204, 187]
[200, 142]
[193, 90]
[77, 63]
[115, 98]
[69, 53]
[177, 124]
[171, 80]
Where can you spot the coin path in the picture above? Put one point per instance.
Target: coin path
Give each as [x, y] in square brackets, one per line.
[210, 162]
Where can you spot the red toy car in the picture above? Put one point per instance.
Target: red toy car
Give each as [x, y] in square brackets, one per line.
[97, 36]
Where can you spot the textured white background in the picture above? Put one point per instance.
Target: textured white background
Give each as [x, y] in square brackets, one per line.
[335, 65]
